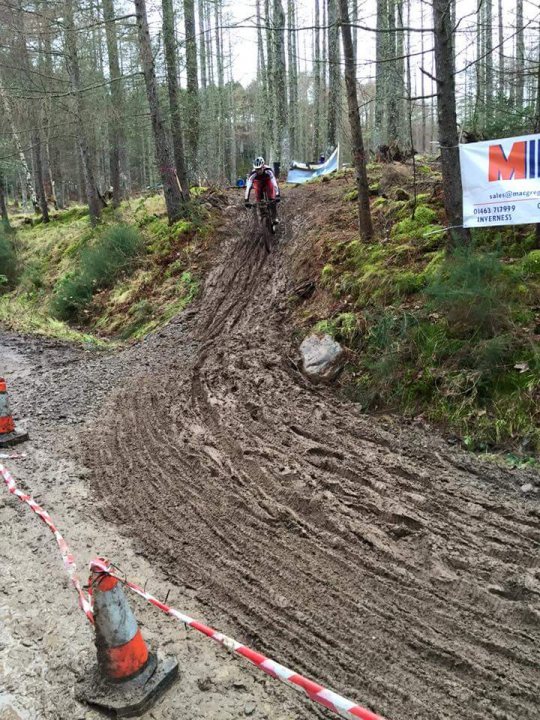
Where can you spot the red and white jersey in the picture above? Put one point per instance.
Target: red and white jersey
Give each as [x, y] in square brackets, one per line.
[266, 176]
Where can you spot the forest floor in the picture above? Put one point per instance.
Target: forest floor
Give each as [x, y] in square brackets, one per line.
[363, 551]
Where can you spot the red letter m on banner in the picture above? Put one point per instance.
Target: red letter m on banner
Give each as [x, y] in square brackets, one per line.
[513, 167]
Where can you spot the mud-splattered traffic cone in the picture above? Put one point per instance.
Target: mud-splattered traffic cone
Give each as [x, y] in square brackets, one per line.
[8, 434]
[129, 677]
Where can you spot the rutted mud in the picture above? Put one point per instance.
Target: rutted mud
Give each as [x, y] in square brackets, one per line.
[370, 555]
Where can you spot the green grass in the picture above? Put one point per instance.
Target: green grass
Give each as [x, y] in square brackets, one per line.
[122, 279]
[25, 315]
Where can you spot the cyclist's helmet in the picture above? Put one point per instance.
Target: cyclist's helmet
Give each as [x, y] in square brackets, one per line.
[258, 163]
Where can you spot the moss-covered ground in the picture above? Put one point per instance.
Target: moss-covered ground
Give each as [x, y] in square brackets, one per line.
[118, 281]
[451, 337]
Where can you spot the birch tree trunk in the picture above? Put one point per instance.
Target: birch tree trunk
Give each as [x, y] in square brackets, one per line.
[171, 187]
[447, 122]
[95, 203]
[364, 213]
[174, 104]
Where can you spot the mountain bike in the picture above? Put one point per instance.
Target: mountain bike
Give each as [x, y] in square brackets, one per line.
[265, 213]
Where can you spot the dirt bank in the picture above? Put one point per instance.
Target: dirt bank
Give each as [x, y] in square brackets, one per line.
[363, 551]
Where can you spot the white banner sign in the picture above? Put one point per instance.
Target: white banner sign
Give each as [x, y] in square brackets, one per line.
[501, 181]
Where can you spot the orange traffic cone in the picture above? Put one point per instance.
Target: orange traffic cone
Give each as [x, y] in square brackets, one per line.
[8, 434]
[128, 677]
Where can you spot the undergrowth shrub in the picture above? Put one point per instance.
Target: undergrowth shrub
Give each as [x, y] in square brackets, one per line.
[100, 265]
[474, 291]
[8, 259]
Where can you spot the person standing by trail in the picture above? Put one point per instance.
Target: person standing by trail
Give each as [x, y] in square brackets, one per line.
[263, 181]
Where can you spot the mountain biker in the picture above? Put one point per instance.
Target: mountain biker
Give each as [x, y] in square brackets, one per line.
[263, 180]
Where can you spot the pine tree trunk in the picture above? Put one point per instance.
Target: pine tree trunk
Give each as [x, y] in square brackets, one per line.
[202, 45]
[488, 50]
[317, 149]
[501, 84]
[480, 84]
[51, 147]
[4, 217]
[38, 168]
[117, 138]
[364, 213]
[520, 56]
[171, 187]
[95, 203]
[354, 21]
[380, 134]
[293, 79]
[221, 95]
[192, 105]
[271, 139]
[395, 90]
[334, 74]
[423, 83]
[263, 118]
[279, 83]
[392, 98]
[447, 122]
[174, 104]
[537, 123]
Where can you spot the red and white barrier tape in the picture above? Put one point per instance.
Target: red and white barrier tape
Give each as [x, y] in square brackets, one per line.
[319, 694]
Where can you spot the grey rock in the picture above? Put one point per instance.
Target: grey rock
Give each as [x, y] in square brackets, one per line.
[527, 488]
[322, 357]
[205, 683]
[249, 708]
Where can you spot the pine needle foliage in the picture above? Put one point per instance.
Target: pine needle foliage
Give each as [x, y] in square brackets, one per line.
[113, 254]
[473, 291]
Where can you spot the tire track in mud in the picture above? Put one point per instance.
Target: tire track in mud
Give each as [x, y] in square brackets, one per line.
[381, 562]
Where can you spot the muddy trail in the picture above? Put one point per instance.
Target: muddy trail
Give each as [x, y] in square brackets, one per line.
[365, 552]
